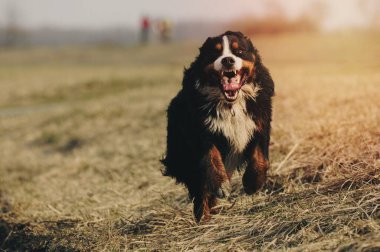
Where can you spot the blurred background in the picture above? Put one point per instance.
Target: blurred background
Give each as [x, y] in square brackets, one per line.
[54, 22]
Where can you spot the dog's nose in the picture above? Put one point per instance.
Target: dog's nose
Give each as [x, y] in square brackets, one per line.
[228, 61]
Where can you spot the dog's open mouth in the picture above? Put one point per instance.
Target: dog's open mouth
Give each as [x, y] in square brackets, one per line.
[231, 82]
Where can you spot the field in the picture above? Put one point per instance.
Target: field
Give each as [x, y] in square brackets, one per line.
[82, 130]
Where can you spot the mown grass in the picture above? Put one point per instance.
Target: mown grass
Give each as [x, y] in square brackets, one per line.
[82, 129]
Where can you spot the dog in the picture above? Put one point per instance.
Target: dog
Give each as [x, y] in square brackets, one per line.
[220, 121]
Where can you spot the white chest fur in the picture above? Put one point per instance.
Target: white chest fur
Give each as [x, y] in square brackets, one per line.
[234, 123]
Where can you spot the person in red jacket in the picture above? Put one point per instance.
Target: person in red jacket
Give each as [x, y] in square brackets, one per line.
[145, 26]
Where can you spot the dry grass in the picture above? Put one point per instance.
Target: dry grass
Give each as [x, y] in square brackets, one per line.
[81, 132]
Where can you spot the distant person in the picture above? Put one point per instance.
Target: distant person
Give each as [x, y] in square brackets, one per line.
[145, 26]
[165, 28]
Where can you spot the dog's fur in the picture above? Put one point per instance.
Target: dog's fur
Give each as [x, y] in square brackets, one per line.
[220, 122]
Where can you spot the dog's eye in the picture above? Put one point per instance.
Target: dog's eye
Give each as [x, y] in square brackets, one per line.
[239, 52]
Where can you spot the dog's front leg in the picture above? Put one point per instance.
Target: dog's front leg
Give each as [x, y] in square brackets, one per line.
[218, 180]
[215, 184]
[256, 172]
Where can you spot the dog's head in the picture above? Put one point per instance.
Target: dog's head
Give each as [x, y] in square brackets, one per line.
[226, 64]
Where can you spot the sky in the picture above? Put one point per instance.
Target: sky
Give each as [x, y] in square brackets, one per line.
[109, 13]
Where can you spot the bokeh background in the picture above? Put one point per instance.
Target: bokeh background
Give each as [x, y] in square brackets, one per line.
[44, 22]
[84, 87]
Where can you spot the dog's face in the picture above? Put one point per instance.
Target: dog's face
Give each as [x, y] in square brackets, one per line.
[228, 64]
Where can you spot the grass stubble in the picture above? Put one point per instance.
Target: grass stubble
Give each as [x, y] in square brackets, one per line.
[81, 132]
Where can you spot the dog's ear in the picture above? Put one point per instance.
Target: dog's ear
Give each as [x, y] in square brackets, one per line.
[205, 45]
[250, 44]
[263, 77]
[191, 74]
[207, 41]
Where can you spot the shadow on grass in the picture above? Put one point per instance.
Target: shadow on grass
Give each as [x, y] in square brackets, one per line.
[22, 237]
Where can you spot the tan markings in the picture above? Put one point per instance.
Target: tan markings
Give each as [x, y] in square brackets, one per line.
[256, 172]
[206, 208]
[235, 45]
[218, 46]
[250, 65]
[261, 162]
[218, 175]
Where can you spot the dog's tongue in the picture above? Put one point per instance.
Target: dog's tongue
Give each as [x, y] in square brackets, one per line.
[231, 84]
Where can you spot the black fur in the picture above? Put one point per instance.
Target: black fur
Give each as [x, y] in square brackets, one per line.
[189, 141]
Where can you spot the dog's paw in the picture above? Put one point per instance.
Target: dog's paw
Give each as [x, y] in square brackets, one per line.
[251, 189]
[224, 190]
[253, 184]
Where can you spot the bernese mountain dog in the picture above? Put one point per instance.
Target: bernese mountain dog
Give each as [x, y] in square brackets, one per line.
[220, 122]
